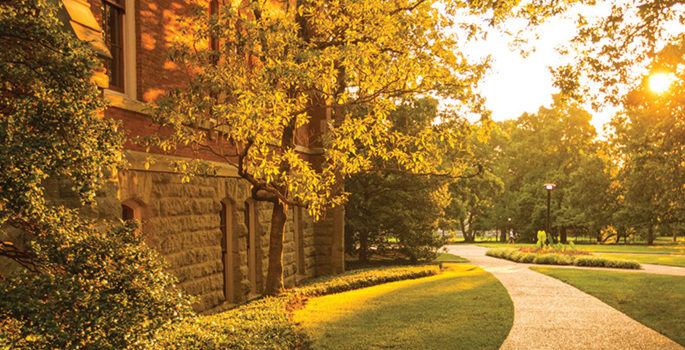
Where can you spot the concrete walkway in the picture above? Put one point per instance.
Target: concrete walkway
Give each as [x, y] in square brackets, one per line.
[549, 314]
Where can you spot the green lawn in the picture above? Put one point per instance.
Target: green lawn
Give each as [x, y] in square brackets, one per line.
[670, 260]
[608, 248]
[657, 301]
[464, 307]
[447, 257]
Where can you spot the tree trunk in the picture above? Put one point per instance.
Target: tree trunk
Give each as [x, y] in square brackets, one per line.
[467, 237]
[562, 237]
[274, 276]
[675, 235]
[363, 246]
[650, 235]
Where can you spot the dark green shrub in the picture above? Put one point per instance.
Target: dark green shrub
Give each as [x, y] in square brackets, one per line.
[545, 259]
[527, 258]
[524, 256]
[94, 289]
[361, 279]
[262, 324]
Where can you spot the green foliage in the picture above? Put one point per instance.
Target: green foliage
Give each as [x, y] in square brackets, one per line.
[262, 324]
[329, 71]
[83, 286]
[616, 55]
[557, 145]
[361, 279]
[561, 259]
[103, 280]
[473, 198]
[49, 124]
[356, 59]
[265, 323]
[400, 206]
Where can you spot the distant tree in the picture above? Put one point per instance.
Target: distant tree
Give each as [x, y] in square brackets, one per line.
[400, 205]
[554, 145]
[405, 207]
[615, 57]
[649, 139]
[77, 285]
[472, 199]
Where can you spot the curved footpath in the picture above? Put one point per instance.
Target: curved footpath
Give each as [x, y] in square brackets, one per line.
[549, 314]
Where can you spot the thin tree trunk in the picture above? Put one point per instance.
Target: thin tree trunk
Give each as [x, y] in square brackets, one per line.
[363, 246]
[650, 235]
[563, 237]
[274, 276]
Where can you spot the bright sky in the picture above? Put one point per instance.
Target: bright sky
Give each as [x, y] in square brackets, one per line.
[516, 84]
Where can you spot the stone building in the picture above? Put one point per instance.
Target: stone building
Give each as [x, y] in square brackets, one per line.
[214, 237]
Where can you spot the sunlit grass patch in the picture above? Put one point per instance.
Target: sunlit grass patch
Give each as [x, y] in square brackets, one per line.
[608, 248]
[669, 260]
[447, 257]
[657, 301]
[464, 307]
[266, 323]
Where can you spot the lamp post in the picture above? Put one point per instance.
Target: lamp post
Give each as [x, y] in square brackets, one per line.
[510, 238]
[549, 187]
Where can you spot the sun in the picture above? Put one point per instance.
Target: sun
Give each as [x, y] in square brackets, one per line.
[660, 82]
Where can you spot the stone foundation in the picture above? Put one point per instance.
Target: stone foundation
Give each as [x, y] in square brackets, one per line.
[214, 237]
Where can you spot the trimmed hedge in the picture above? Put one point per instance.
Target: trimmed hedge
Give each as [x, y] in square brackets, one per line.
[265, 323]
[561, 259]
[360, 279]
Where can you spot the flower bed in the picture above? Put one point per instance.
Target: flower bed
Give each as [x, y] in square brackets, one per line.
[566, 251]
[557, 257]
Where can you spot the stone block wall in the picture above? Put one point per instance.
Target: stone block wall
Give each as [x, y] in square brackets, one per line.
[182, 221]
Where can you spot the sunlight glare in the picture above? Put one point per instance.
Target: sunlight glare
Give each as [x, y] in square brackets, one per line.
[660, 82]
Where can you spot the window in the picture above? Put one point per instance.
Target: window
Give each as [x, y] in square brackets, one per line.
[127, 213]
[113, 30]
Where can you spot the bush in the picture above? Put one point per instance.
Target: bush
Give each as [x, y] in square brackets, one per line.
[361, 279]
[264, 324]
[94, 289]
[560, 258]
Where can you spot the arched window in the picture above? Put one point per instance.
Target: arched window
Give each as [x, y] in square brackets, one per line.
[127, 212]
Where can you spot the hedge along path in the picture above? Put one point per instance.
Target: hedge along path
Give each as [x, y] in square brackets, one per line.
[549, 314]
[462, 308]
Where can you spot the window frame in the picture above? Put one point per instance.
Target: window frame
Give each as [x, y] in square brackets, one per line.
[120, 7]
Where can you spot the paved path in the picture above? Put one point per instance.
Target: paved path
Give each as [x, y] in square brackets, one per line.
[549, 314]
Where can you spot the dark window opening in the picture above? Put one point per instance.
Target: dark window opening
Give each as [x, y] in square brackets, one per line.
[113, 30]
[127, 213]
